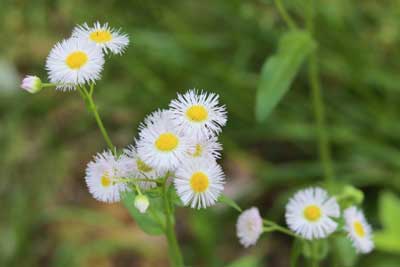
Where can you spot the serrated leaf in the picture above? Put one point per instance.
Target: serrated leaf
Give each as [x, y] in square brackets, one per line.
[278, 71]
[152, 222]
[230, 202]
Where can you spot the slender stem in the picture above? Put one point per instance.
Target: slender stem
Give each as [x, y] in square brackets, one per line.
[276, 227]
[174, 251]
[318, 105]
[93, 108]
[285, 15]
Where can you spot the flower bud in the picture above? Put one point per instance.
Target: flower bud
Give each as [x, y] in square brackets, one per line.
[32, 84]
[142, 203]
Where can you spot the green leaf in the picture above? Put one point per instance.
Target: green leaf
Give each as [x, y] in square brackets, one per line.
[246, 261]
[152, 222]
[389, 211]
[279, 70]
[388, 239]
[346, 254]
[230, 202]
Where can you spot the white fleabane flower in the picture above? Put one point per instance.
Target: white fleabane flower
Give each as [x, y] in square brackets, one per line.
[74, 62]
[249, 227]
[358, 229]
[160, 144]
[102, 178]
[199, 183]
[137, 168]
[198, 113]
[107, 38]
[206, 148]
[309, 213]
[32, 84]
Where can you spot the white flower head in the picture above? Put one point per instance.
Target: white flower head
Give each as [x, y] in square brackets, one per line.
[142, 203]
[32, 84]
[309, 213]
[109, 39]
[102, 178]
[198, 113]
[160, 144]
[206, 148]
[199, 183]
[358, 229]
[137, 168]
[74, 62]
[249, 227]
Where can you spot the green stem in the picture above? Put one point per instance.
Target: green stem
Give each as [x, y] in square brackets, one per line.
[88, 97]
[285, 15]
[174, 251]
[276, 227]
[318, 105]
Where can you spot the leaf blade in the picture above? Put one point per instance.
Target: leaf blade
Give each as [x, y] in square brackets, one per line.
[278, 71]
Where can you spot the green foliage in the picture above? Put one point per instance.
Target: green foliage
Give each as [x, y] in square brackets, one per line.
[153, 221]
[388, 239]
[246, 261]
[279, 70]
[230, 202]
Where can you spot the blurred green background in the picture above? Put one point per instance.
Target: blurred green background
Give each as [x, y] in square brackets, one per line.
[47, 217]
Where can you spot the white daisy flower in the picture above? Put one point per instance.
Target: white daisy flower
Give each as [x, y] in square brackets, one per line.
[74, 62]
[249, 227]
[137, 168]
[199, 183]
[309, 213]
[358, 229]
[198, 113]
[160, 144]
[102, 178]
[207, 148]
[107, 38]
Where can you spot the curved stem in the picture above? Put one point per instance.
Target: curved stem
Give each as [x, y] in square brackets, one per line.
[285, 15]
[174, 251]
[93, 108]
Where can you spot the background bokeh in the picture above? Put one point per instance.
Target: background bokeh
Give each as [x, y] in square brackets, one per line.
[47, 217]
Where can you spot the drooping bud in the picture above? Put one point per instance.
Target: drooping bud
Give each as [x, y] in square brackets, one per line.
[32, 84]
[142, 203]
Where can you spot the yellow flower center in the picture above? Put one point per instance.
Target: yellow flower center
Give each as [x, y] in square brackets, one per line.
[312, 213]
[100, 36]
[197, 113]
[143, 167]
[199, 182]
[359, 228]
[76, 59]
[167, 142]
[105, 180]
[198, 151]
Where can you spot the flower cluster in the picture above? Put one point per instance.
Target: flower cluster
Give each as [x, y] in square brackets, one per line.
[180, 143]
[79, 60]
[311, 214]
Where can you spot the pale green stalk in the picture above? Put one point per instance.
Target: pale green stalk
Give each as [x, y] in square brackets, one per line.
[174, 251]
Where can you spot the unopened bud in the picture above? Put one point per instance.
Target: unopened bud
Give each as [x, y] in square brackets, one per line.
[32, 84]
[142, 203]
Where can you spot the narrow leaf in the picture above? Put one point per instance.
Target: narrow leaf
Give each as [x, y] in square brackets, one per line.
[278, 71]
[230, 202]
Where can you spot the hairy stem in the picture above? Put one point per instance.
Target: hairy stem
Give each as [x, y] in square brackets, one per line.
[174, 251]
[285, 15]
[88, 97]
[318, 104]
